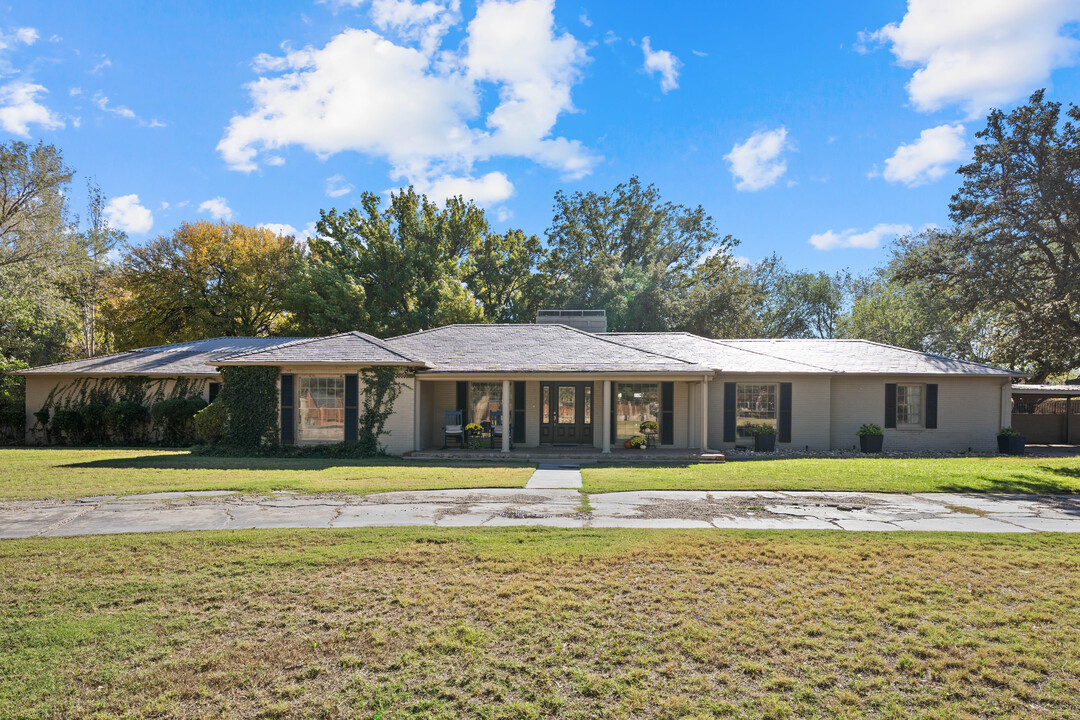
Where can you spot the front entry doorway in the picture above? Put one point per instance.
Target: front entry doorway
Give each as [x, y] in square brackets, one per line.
[566, 411]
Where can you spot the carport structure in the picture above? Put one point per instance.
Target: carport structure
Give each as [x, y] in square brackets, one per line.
[1047, 414]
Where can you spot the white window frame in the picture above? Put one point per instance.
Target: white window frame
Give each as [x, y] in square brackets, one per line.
[743, 420]
[333, 412]
[902, 425]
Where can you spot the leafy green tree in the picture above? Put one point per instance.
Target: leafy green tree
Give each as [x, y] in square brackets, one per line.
[629, 253]
[33, 205]
[1014, 253]
[207, 280]
[414, 265]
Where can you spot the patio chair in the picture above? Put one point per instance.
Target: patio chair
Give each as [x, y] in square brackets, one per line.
[497, 429]
[453, 427]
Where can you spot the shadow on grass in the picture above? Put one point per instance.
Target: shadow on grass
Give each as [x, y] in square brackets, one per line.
[1021, 484]
[206, 462]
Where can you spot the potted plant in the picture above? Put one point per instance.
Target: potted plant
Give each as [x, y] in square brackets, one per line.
[474, 429]
[764, 437]
[637, 442]
[1010, 442]
[871, 437]
[649, 426]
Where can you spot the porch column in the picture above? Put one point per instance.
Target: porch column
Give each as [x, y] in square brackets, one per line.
[704, 415]
[418, 440]
[606, 424]
[506, 415]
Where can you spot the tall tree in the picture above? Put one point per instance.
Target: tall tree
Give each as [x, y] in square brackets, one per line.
[205, 280]
[1014, 253]
[628, 252]
[33, 208]
[415, 265]
[88, 268]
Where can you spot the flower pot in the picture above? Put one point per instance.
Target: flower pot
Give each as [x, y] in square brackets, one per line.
[1012, 444]
[627, 445]
[765, 443]
[871, 443]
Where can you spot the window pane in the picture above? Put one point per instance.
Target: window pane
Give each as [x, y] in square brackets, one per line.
[320, 406]
[755, 404]
[634, 404]
[545, 409]
[567, 405]
[588, 404]
[909, 402]
[483, 399]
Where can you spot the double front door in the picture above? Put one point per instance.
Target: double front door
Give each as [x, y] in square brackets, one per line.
[566, 413]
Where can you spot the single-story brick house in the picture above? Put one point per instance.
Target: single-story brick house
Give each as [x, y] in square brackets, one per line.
[565, 386]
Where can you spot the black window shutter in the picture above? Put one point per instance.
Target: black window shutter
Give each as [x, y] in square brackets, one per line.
[519, 411]
[784, 431]
[288, 397]
[352, 410]
[729, 412]
[463, 400]
[667, 413]
[931, 406]
[890, 405]
[213, 390]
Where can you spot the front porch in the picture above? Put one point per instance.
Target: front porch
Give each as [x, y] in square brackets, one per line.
[570, 454]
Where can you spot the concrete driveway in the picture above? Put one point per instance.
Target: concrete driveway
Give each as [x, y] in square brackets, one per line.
[554, 507]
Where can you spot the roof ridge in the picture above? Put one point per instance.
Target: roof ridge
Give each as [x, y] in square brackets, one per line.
[936, 355]
[624, 345]
[291, 343]
[65, 362]
[768, 355]
[359, 334]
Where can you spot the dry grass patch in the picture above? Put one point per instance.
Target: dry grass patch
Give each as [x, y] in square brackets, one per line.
[870, 474]
[523, 623]
[34, 473]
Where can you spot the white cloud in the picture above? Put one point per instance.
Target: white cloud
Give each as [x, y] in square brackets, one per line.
[285, 229]
[928, 158]
[757, 163]
[583, 18]
[102, 101]
[852, 238]
[427, 122]
[663, 62]
[980, 53]
[19, 109]
[336, 186]
[274, 160]
[125, 212]
[488, 190]
[105, 63]
[218, 208]
[26, 35]
[700, 53]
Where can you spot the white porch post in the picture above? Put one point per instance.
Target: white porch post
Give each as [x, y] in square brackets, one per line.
[418, 441]
[704, 414]
[606, 424]
[506, 410]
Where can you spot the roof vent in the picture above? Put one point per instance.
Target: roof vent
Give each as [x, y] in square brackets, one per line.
[593, 321]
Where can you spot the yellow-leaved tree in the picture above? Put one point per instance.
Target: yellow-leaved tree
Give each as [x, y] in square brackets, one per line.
[205, 280]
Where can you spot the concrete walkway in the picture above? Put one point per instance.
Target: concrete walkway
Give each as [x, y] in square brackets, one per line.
[544, 506]
[551, 477]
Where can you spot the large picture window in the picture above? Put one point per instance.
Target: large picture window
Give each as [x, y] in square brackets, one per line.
[484, 398]
[755, 404]
[320, 406]
[909, 406]
[634, 404]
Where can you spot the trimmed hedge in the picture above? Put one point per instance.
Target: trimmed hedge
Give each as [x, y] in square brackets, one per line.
[211, 423]
[127, 421]
[175, 419]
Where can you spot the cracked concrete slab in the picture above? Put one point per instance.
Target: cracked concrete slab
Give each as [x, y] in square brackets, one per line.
[549, 507]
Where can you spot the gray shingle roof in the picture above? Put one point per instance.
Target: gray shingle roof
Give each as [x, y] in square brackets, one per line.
[344, 348]
[186, 358]
[533, 349]
[713, 353]
[806, 356]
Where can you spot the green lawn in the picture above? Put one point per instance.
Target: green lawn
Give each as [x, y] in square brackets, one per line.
[27, 473]
[961, 474]
[530, 623]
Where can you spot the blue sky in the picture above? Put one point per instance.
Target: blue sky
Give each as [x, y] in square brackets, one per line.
[815, 130]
